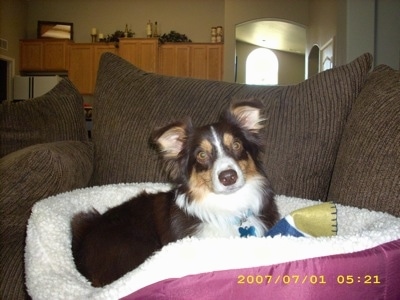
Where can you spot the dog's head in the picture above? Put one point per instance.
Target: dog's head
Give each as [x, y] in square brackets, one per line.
[218, 158]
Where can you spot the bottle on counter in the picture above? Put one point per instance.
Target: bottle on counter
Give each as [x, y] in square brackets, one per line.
[149, 30]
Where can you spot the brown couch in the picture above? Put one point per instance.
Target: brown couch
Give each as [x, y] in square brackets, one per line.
[333, 137]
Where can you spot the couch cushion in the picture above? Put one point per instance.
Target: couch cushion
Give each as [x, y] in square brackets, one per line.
[303, 128]
[26, 175]
[55, 116]
[367, 171]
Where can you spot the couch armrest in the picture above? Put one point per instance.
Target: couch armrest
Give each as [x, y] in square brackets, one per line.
[26, 176]
[44, 170]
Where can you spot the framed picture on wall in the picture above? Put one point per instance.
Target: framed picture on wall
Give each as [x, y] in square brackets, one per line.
[55, 30]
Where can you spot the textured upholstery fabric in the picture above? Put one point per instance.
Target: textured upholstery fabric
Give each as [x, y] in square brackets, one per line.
[44, 150]
[55, 116]
[27, 175]
[367, 171]
[304, 122]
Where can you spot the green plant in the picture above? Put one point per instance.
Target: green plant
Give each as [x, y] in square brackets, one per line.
[174, 37]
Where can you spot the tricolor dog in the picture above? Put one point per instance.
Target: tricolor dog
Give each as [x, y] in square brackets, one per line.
[221, 190]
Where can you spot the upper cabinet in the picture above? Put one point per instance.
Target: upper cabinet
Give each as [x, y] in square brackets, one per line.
[174, 59]
[84, 64]
[81, 67]
[207, 61]
[43, 55]
[143, 53]
[196, 60]
[81, 60]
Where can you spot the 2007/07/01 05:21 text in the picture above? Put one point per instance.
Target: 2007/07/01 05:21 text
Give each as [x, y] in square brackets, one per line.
[303, 279]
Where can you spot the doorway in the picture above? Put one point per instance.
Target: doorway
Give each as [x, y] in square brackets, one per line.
[287, 40]
[6, 76]
[313, 61]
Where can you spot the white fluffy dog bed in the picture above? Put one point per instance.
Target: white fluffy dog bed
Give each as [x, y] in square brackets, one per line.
[51, 273]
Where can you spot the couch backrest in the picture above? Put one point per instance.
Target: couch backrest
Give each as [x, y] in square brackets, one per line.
[304, 122]
[367, 169]
[54, 116]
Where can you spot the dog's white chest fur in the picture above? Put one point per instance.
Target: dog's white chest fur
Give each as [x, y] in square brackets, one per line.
[227, 215]
[232, 228]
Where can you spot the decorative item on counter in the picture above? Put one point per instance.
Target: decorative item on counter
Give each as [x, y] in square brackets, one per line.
[217, 34]
[213, 34]
[126, 31]
[149, 30]
[220, 34]
[101, 37]
[93, 34]
[174, 37]
[114, 37]
[155, 29]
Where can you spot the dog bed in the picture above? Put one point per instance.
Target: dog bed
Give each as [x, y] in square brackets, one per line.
[361, 262]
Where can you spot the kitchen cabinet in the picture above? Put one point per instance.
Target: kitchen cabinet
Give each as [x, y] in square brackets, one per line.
[196, 60]
[44, 55]
[143, 53]
[207, 61]
[81, 67]
[84, 63]
[81, 60]
[175, 60]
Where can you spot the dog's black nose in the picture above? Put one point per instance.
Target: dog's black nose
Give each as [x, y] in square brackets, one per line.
[228, 177]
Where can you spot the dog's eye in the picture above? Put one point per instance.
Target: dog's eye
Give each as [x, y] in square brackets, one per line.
[202, 156]
[236, 146]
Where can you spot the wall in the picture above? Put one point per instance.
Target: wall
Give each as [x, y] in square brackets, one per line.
[291, 65]
[239, 11]
[193, 18]
[321, 27]
[369, 26]
[387, 42]
[12, 27]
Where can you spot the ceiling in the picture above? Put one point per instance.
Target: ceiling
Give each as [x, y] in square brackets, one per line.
[275, 35]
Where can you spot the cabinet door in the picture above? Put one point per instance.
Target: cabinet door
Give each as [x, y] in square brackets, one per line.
[143, 53]
[167, 60]
[99, 49]
[207, 61]
[55, 55]
[149, 55]
[174, 60]
[81, 67]
[198, 63]
[215, 62]
[31, 56]
[130, 50]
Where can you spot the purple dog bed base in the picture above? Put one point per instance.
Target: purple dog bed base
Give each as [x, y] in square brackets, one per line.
[368, 274]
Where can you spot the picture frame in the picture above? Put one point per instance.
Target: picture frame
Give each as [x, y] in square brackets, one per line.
[55, 30]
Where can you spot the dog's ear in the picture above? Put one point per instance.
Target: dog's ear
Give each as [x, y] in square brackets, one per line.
[248, 114]
[171, 139]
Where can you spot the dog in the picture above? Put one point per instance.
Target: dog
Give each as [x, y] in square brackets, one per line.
[221, 190]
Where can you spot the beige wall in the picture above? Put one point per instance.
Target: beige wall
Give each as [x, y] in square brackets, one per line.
[193, 18]
[321, 27]
[291, 65]
[12, 27]
[369, 26]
